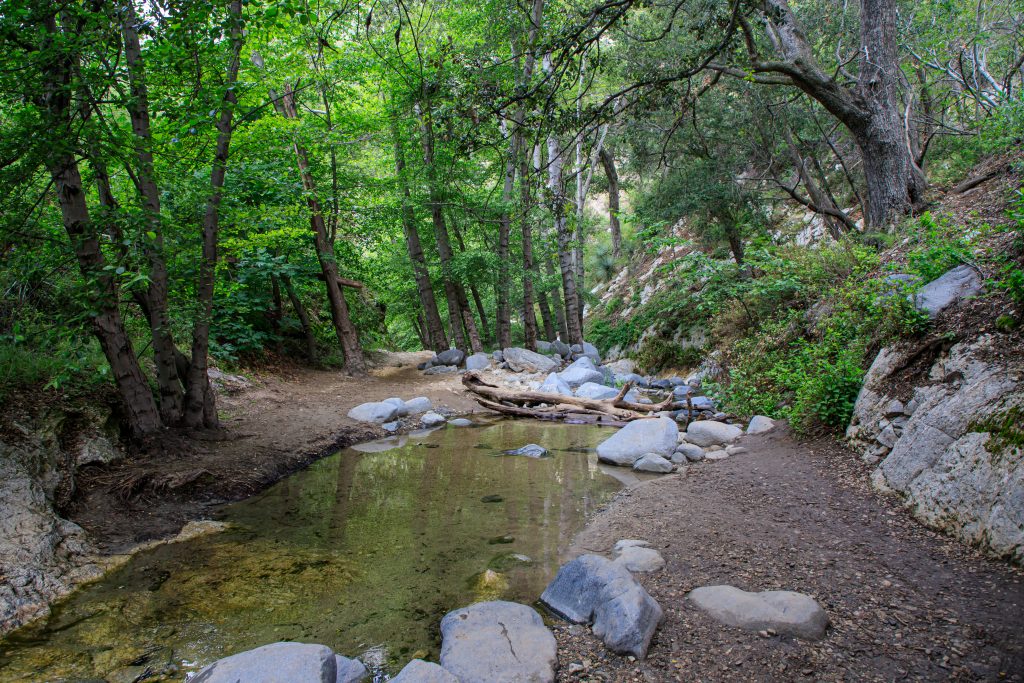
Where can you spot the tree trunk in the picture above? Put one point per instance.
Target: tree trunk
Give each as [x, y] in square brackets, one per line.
[141, 412]
[556, 301]
[503, 324]
[200, 400]
[300, 312]
[529, 267]
[564, 239]
[164, 349]
[608, 162]
[346, 332]
[433, 328]
[458, 304]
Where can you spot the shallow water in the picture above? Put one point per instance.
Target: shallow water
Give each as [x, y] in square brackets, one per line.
[363, 552]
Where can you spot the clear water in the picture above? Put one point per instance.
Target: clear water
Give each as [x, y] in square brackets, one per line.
[364, 552]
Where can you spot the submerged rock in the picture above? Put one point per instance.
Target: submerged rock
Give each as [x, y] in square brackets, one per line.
[497, 642]
[711, 433]
[593, 589]
[650, 435]
[374, 412]
[274, 663]
[786, 612]
[419, 671]
[530, 450]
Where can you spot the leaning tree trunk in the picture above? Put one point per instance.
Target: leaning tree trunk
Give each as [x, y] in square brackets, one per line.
[300, 312]
[164, 349]
[200, 400]
[434, 329]
[141, 412]
[608, 162]
[345, 330]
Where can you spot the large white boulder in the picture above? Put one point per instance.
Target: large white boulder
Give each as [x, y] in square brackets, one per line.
[524, 360]
[497, 642]
[649, 435]
[378, 412]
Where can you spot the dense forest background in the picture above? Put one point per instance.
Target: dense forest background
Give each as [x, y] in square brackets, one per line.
[244, 183]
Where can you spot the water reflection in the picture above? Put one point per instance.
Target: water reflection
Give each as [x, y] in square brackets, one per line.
[366, 548]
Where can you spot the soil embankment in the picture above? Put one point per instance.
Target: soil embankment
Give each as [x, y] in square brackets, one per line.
[905, 603]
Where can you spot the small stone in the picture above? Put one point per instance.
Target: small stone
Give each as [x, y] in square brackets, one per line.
[717, 454]
[894, 409]
[391, 426]
[760, 424]
[460, 422]
[887, 437]
[432, 419]
[634, 556]
[652, 462]
[691, 452]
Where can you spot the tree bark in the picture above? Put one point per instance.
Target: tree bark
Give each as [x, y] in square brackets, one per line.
[529, 266]
[303, 316]
[556, 301]
[200, 400]
[503, 324]
[458, 304]
[344, 329]
[563, 236]
[870, 111]
[608, 162]
[164, 348]
[434, 329]
[141, 412]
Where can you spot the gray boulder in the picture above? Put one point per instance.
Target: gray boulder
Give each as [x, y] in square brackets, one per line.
[760, 424]
[691, 451]
[524, 360]
[450, 357]
[635, 556]
[478, 361]
[530, 450]
[623, 366]
[580, 372]
[498, 356]
[349, 670]
[274, 663]
[681, 391]
[420, 404]
[399, 404]
[702, 403]
[591, 351]
[786, 612]
[545, 347]
[561, 348]
[637, 380]
[593, 589]
[460, 422]
[652, 462]
[710, 433]
[649, 435]
[441, 370]
[391, 427]
[595, 391]
[374, 412]
[949, 288]
[554, 384]
[497, 642]
[432, 419]
[419, 671]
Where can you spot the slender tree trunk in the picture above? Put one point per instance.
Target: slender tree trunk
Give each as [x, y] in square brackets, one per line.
[564, 239]
[503, 313]
[434, 330]
[141, 411]
[458, 303]
[556, 301]
[529, 266]
[344, 329]
[303, 316]
[164, 349]
[277, 314]
[608, 162]
[200, 400]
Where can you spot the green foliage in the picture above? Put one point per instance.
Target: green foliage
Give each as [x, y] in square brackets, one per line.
[657, 353]
[1006, 430]
[938, 246]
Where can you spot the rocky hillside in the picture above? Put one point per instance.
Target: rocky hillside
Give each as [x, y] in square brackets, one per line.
[910, 343]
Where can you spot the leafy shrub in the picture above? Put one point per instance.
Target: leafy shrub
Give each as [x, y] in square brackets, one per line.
[939, 247]
[657, 353]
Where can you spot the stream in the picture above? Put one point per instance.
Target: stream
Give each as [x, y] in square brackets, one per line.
[364, 552]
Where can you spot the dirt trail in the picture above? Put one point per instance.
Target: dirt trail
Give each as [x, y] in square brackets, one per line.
[905, 603]
[274, 426]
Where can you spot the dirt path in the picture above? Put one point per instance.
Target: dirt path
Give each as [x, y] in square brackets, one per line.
[274, 426]
[905, 603]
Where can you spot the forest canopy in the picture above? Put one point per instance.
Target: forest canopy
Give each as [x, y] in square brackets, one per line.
[192, 182]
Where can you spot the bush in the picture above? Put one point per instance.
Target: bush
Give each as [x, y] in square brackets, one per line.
[657, 353]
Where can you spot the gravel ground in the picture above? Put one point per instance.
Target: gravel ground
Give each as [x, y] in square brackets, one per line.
[905, 603]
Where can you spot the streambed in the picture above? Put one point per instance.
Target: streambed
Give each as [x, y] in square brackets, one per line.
[363, 552]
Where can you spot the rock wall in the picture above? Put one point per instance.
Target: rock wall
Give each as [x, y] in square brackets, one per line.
[946, 434]
[42, 555]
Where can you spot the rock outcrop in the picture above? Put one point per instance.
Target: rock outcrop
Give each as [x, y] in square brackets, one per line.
[949, 441]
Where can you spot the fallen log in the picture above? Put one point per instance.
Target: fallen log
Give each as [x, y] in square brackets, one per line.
[545, 406]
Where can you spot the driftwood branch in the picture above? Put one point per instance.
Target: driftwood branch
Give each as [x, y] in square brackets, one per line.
[545, 406]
